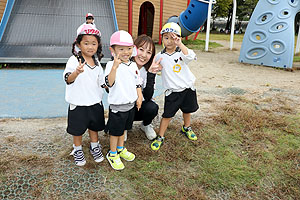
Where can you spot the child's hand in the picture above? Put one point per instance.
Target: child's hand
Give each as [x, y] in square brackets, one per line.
[139, 102]
[80, 68]
[117, 61]
[177, 39]
[155, 66]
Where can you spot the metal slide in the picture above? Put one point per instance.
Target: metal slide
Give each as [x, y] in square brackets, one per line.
[42, 31]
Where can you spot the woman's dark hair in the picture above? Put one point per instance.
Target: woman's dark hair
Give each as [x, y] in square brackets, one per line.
[78, 55]
[145, 39]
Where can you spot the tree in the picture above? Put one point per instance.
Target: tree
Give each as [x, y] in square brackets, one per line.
[220, 9]
[243, 12]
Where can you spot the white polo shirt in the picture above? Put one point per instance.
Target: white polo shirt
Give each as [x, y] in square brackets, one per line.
[176, 74]
[86, 90]
[123, 91]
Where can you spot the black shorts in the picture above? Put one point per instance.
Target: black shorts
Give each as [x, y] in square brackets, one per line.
[186, 101]
[120, 121]
[85, 117]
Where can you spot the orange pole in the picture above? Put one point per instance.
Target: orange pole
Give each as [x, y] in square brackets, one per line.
[130, 17]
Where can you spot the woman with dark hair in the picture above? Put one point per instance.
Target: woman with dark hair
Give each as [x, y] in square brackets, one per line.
[148, 69]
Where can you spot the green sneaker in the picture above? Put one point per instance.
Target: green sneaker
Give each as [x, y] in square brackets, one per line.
[157, 143]
[115, 161]
[189, 133]
[126, 155]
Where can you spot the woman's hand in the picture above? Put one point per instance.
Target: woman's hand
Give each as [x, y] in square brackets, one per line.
[155, 66]
[139, 102]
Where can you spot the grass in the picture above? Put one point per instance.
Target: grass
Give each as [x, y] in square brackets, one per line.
[220, 36]
[244, 153]
[200, 44]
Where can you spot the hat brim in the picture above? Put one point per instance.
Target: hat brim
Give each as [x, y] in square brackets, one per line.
[134, 51]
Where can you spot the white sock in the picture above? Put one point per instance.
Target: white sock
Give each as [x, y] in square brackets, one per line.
[94, 144]
[77, 147]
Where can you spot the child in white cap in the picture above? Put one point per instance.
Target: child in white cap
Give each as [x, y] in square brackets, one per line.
[178, 82]
[122, 78]
[84, 77]
[89, 17]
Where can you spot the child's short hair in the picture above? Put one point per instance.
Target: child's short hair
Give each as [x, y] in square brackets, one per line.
[171, 27]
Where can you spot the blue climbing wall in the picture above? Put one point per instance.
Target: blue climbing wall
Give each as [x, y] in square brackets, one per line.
[269, 38]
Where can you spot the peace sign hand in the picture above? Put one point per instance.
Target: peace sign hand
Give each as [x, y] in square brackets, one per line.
[177, 39]
[117, 60]
[155, 66]
[80, 68]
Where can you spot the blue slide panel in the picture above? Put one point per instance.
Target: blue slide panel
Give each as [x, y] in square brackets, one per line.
[192, 18]
[195, 15]
[114, 14]
[6, 14]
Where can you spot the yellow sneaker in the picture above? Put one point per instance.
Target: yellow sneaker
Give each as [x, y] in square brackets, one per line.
[126, 155]
[115, 161]
[156, 144]
[189, 133]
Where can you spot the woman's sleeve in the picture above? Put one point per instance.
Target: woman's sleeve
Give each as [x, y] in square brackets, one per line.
[149, 89]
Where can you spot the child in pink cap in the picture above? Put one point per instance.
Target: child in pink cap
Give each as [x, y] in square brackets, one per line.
[122, 78]
[84, 77]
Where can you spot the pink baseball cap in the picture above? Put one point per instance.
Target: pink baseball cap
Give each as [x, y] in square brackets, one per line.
[123, 38]
[88, 29]
[89, 15]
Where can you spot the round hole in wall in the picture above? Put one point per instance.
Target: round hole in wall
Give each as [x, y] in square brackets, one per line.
[258, 36]
[277, 47]
[284, 13]
[293, 3]
[278, 27]
[264, 18]
[256, 53]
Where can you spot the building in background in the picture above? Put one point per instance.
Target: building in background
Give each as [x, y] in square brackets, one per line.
[2, 7]
[139, 16]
